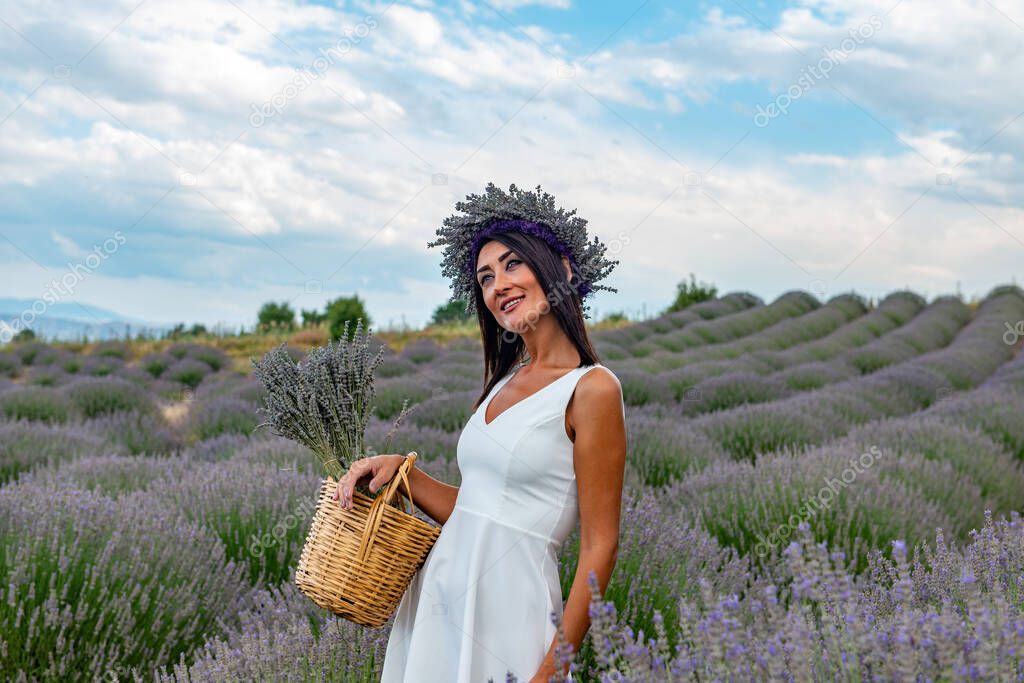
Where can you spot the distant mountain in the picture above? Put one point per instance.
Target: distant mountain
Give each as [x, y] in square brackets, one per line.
[70, 321]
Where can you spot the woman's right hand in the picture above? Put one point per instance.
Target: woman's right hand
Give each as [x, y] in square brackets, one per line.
[377, 469]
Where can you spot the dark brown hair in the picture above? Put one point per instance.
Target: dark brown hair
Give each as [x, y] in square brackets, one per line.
[502, 348]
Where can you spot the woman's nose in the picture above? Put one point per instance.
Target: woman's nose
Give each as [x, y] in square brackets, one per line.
[499, 281]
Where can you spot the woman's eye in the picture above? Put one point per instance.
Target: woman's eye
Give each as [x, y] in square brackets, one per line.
[507, 264]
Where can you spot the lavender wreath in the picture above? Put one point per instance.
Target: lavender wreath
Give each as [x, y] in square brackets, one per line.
[534, 213]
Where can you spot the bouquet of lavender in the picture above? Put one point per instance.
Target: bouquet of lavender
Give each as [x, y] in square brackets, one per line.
[324, 402]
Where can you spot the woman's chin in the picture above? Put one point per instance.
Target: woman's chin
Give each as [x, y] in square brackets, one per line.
[520, 322]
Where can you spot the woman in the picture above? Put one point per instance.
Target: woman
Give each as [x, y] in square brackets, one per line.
[544, 450]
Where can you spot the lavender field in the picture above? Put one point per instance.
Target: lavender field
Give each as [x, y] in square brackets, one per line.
[814, 491]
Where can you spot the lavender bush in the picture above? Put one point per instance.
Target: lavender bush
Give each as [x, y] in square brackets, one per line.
[447, 411]
[998, 474]
[755, 508]
[39, 404]
[213, 357]
[430, 443]
[279, 643]
[662, 558]
[94, 585]
[949, 614]
[221, 415]
[156, 363]
[35, 353]
[111, 475]
[100, 366]
[10, 364]
[421, 351]
[187, 371]
[138, 432]
[98, 396]
[396, 367]
[113, 349]
[217, 448]
[26, 445]
[46, 376]
[391, 394]
[261, 513]
[662, 452]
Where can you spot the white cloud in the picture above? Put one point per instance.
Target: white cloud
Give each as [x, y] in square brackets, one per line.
[66, 246]
[426, 93]
[421, 29]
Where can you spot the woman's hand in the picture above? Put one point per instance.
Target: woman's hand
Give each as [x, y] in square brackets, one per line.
[377, 469]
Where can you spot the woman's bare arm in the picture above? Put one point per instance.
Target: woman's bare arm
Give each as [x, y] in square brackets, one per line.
[599, 459]
[434, 497]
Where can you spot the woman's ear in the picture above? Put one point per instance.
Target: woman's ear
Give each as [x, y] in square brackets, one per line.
[568, 269]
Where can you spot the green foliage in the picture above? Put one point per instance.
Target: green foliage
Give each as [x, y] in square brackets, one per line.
[615, 317]
[155, 364]
[690, 293]
[312, 318]
[273, 314]
[451, 312]
[179, 331]
[36, 404]
[345, 309]
[96, 397]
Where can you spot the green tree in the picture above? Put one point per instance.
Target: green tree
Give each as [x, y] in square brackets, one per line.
[273, 315]
[451, 312]
[690, 293]
[344, 308]
[24, 335]
[312, 318]
[615, 317]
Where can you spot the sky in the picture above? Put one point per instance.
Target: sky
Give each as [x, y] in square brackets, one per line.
[189, 161]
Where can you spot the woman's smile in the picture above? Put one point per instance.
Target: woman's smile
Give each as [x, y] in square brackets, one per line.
[508, 308]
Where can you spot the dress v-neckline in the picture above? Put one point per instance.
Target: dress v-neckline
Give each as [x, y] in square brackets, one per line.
[498, 387]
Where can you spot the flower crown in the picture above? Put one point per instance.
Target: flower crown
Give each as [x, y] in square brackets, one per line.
[532, 213]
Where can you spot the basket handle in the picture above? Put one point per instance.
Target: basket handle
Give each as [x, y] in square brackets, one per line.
[376, 514]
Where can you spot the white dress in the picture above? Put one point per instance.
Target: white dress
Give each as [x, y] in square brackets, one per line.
[481, 605]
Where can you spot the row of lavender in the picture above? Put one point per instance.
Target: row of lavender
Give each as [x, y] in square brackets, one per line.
[705, 383]
[39, 364]
[248, 528]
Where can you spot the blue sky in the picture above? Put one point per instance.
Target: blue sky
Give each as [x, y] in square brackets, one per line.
[170, 134]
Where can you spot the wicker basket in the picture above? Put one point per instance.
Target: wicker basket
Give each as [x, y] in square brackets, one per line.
[357, 563]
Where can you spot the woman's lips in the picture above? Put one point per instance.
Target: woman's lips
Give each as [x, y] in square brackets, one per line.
[513, 305]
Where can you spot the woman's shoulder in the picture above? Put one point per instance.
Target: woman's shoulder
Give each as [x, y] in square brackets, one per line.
[600, 378]
[598, 391]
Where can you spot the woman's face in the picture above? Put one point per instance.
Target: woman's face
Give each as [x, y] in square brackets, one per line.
[504, 278]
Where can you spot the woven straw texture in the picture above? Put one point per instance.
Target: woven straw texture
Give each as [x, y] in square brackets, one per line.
[358, 563]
